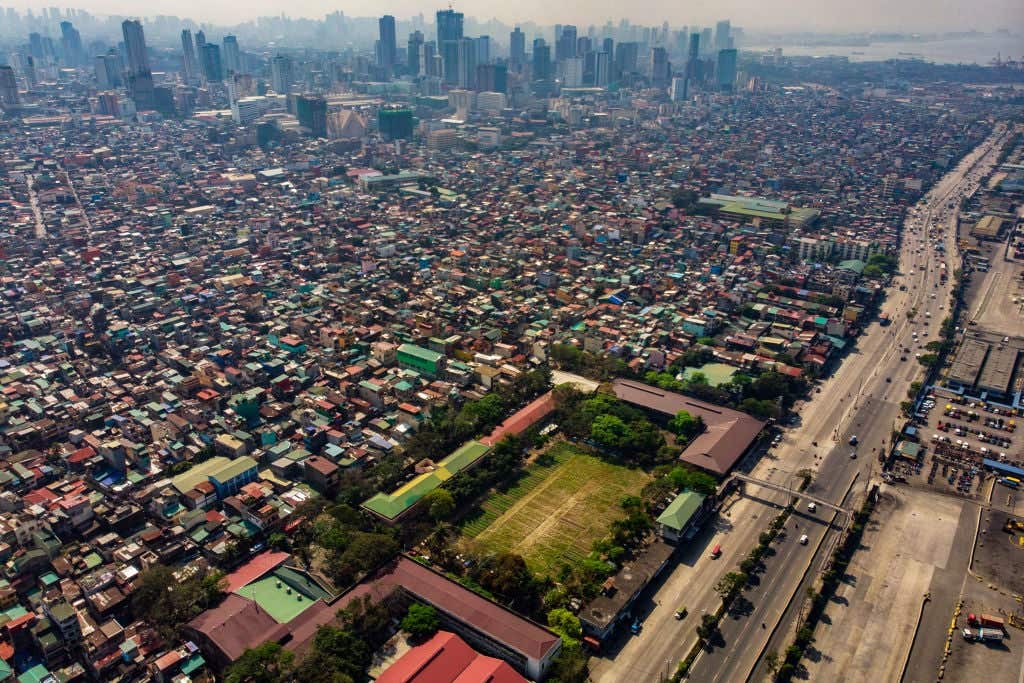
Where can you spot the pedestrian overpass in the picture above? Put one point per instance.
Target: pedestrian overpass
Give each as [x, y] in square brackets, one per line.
[739, 476]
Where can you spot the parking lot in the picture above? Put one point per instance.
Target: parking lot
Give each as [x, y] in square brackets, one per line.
[956, 434]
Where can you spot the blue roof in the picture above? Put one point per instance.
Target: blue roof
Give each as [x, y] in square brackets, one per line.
[1003, 467]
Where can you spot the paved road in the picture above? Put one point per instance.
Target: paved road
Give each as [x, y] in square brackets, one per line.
[856, 399]
[946, 585]
[78, 205]
[33, 201]
[869, 408]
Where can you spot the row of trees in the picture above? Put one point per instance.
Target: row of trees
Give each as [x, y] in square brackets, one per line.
[351, 543]
[449, 428]
[167, 603]
[610, 424]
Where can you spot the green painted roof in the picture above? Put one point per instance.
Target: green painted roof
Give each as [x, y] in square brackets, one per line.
[36, 674]
[276, 598]
[187, 481]
[681, 510]
[218, 467]
[466, 455]
[391, 505]
[420, 352]
[856, 265]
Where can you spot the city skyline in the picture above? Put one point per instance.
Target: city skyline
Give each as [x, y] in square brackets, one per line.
[783, 15]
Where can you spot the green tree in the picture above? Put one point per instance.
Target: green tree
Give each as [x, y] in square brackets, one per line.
[368, 620]
[421, 621]
[729, 586]
[570, 666]
[707, 626]
[277, 540]
[693, 480]
[610, 431]
[566, 624]
[686, 425]
[266, 663]
[685, 198]
[440, 504]
[507, 575]
[336, 651]
[168, 603]
[771, 661]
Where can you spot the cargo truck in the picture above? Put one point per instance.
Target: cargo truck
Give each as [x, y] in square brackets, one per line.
[987, 620]
[983, 634]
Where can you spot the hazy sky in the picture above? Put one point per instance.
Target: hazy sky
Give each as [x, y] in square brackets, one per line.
[836, 15]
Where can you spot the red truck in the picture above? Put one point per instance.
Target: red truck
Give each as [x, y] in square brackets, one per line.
[987, 620]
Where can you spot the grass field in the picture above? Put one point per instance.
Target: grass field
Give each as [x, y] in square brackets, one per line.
[554, 513]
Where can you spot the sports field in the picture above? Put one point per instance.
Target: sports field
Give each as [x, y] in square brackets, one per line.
[554, 513]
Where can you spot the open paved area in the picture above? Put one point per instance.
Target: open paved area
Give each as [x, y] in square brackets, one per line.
[999, 557]
[990, 662]
[869, 626]
[998, 296]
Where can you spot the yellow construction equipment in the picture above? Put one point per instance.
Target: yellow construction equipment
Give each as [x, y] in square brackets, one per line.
[1013, 525]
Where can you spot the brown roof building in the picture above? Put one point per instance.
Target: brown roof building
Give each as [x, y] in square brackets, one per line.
[728, 436]
[485, 625]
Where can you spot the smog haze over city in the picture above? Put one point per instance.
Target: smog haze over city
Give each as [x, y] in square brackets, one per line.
[576, 343]
[838, 16]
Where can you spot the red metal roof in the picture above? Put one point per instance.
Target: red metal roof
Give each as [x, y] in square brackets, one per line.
[522, 420]
[237, 624]
[254, 569]
[446, 658]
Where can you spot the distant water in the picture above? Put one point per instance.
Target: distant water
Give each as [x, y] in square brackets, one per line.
[979, 49]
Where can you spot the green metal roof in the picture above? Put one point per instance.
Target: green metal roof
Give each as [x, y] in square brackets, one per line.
[277, 598]
[420, 352]
[681, 510]
[391, 505]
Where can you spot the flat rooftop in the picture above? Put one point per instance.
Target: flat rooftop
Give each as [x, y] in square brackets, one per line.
[997, 375]
[630, 580]
[967, 364]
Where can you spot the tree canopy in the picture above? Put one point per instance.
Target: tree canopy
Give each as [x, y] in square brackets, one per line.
[421, 621]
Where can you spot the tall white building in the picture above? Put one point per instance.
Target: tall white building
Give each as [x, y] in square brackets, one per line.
[572, 72]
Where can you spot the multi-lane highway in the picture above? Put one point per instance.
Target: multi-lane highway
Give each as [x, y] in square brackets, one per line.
[861, 398]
